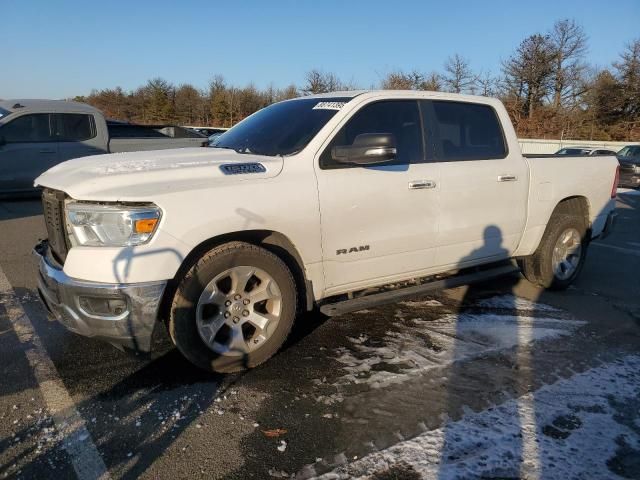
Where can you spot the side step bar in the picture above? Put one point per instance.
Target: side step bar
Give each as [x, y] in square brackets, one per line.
[392, 296]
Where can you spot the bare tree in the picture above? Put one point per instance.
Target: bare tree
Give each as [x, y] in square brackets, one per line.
[458, 77]
[486, 84]
[432, 82]
[569, 44]
[187, 100]
[321, 82]
[628, 73]
[219, 101]
[413, 80]
[399, 80]
[529, 72]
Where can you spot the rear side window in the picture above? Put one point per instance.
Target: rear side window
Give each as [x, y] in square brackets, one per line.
[398, 117]
[74, 127]
[464, 131]
[27, 129]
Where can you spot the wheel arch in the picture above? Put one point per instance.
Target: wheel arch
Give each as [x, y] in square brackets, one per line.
[275, 242]
[576, 205]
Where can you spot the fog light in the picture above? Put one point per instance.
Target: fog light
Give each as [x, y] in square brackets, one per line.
[103, 305]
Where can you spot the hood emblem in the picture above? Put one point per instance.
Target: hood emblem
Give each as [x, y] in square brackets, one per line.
[240, 168]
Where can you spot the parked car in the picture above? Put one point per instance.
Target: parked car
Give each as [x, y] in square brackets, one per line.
[213, 137]
[629, 158]
[35, 135]
[207, 131]
[311, 202]
[584, 151]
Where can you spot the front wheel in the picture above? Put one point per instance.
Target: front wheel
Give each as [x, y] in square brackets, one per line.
[561, 254]
[234, 309]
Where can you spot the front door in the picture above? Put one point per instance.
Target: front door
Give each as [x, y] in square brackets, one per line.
[378, 222]
[27, 148]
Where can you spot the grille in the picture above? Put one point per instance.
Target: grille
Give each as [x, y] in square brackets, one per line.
[53, 206]
[627, 168]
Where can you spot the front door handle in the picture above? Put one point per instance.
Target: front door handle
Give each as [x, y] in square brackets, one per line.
[507, 178]
[46, 150]
[420, 184]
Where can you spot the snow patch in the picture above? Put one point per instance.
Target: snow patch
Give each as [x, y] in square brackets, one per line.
[571, 429]
[517, 303]
[415, 346]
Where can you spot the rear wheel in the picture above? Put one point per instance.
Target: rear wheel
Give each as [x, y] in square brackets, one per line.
[234, 309]
[561, 254]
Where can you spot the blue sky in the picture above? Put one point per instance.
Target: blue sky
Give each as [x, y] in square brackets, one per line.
[56, 49]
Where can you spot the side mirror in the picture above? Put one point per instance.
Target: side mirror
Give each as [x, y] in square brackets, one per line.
[367, 149]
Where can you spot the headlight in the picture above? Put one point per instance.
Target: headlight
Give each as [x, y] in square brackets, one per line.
[111, 225]
[636, 168]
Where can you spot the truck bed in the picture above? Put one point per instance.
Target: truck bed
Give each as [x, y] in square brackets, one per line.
[124, 137]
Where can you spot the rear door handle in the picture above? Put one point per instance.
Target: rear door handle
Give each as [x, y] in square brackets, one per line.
[421, 184]
[507, 178]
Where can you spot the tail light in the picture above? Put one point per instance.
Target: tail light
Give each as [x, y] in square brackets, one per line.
[614, 188]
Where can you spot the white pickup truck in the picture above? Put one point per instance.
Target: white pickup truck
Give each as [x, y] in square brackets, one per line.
[317, 202]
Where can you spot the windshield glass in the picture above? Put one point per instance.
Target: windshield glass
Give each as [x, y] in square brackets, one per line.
[3, 112]
[632, 151]
[281, 129]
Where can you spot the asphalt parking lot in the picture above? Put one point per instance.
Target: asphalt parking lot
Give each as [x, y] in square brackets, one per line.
[500, 380]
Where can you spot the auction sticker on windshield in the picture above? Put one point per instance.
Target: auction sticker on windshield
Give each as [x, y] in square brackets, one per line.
[329, 105]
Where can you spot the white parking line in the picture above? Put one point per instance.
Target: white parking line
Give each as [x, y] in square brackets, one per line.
[629, 251]
[86, 460]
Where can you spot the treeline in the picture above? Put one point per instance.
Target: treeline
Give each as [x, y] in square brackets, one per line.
[547, 85]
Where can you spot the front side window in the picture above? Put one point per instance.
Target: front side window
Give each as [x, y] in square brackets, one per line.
[401, 118]
[74, 127]
[27, 129]
[283, 128]
[465, 131]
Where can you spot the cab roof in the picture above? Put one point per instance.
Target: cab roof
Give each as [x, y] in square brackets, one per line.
[37, 105]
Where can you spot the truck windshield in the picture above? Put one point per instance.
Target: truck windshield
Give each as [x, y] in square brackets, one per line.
[281, 129]
[3, 112]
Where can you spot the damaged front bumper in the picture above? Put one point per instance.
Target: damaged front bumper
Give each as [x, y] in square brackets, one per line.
[124, 315]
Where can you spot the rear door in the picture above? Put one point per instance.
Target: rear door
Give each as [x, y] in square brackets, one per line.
[28, 148]
[483, 186]
[77, 135]
[378, 222]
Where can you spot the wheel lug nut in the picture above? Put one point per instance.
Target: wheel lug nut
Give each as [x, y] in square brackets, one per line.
[237, 297]
[227, 314]
[236, 319]
[227, 303]
[246, 301]
[245, 313]
[256, 340]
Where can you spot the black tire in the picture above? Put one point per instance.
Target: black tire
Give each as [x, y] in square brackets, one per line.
[538, 268]
[182, 323]
[528, 268]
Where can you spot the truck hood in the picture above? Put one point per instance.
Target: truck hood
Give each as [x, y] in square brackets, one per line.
[140, 175]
